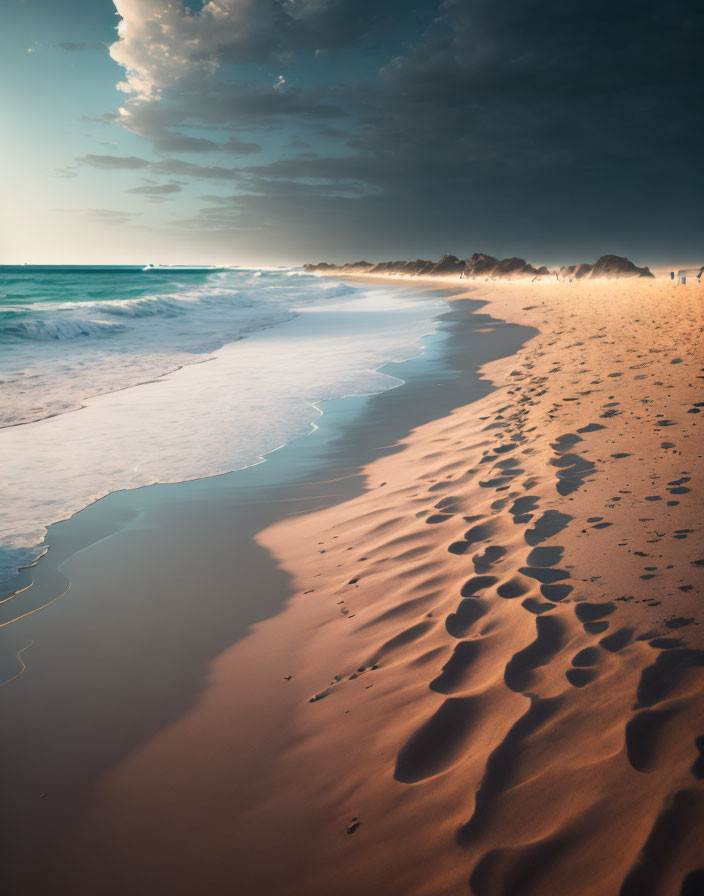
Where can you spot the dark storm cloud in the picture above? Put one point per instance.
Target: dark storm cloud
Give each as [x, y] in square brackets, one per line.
[546, 81]
[225, 107]
[521, 124]
[228, 105]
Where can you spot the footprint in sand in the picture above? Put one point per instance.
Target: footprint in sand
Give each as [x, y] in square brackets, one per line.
[682, 533]
[664, 675]
[548, 642]
[514, 587]
[589, 656]
[572, 471]
[503, 449]
[522, 509]
[455, 673]
[579, 678]
[581, 674]
[546, 576]
[477, 583]
[438, 742]
[564, 443]
[616, 641]
[467, 613]
[545, 556]
[450, 504]
[501, 771]
[481, 532]
[551, 523]
[498, 482]
[556, 592]
[666, 643]
[679, 621]
[677, 817]
[589, 612]
[471, 608]
[492, 555]
[533, 605]
[643, 736]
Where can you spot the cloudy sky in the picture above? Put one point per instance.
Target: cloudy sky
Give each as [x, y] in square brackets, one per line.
[278, 131]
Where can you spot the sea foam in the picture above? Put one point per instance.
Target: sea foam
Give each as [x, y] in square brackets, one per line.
[276, 347]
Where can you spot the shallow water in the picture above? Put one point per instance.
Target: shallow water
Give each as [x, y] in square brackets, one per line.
[122, 349]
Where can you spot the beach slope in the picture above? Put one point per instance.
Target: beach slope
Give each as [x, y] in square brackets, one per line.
[490, 678]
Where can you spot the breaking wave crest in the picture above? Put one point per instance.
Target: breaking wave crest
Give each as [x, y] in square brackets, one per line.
[58, 330]
[149, 306]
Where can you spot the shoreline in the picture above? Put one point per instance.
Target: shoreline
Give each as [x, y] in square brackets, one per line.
[495, 652]
[151, 432]
[134, 602]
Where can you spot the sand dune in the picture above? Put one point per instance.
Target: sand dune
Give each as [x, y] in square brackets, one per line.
[491, 678]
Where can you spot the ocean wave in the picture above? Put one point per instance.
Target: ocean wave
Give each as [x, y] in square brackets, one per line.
[149, 306]
[167, 305]
[339, 290]
[58, 330]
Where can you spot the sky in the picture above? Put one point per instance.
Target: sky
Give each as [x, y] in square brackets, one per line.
[284, 131]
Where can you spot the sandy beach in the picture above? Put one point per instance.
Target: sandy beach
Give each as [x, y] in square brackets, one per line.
[488, 674]
[351, 451]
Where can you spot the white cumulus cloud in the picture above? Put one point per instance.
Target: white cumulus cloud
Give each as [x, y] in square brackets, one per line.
[162, 42]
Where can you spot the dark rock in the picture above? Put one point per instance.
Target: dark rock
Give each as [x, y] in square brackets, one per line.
[616, 266]
[611, 266]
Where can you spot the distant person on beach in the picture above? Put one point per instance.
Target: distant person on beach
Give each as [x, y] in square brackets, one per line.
[682, 275]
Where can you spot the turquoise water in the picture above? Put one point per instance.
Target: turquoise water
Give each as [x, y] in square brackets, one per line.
[68, 333]
[123, 377]
[59, 303]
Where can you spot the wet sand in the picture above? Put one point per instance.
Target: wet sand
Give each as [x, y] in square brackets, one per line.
[162, 581]
[490, 675]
